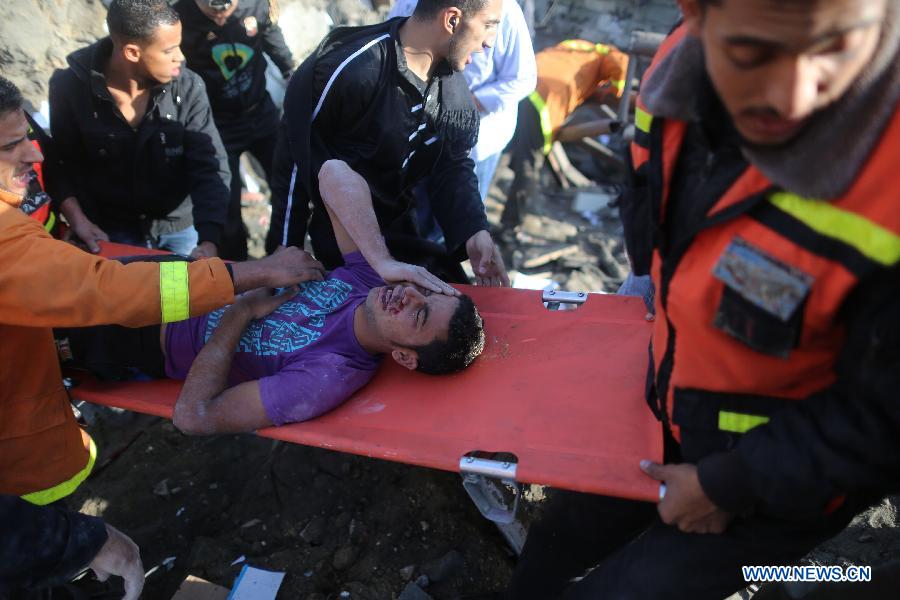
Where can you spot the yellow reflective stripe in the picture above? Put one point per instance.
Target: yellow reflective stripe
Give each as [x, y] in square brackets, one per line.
[51, 221]
[869, 238]
[642, 120]
[65, 488]
[174, 293]
[578, 45]
[739, 422]
[585, 46]
[544, 113]
[619, 84]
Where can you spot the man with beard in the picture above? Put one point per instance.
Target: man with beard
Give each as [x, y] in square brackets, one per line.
[765, 210]
[390, 100]
[44, 454]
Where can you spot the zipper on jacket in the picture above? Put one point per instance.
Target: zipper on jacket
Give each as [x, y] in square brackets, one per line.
[673, 256]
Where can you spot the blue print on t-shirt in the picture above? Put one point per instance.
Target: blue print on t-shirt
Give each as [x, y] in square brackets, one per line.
[282, 331]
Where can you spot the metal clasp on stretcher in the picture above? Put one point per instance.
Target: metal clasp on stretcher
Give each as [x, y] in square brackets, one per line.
[560, 300]
[480, 480]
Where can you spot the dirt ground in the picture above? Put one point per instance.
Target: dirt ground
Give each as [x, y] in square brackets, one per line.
[334, 523]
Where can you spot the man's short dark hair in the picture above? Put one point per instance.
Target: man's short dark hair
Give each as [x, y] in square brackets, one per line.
[465, 341]
[426, 9]
[138, 20]
[10, 96]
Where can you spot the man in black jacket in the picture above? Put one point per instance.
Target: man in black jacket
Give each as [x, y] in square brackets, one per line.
[44, 546]
[224, 41]
[390, 100]
[139, 153]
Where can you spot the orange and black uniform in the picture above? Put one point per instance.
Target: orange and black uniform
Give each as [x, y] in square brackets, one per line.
[44, 283]
[775, 363]
[569, 74]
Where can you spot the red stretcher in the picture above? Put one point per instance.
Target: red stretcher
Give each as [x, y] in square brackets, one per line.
[559, 393]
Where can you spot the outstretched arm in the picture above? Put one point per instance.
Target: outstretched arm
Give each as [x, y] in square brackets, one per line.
[348, 200]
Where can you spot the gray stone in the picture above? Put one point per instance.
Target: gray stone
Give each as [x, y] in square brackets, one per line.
[413, 592]
[344, 558]
[407, 572]
[314, 532]
[446, 566]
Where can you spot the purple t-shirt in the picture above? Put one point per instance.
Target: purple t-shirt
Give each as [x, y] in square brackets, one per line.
[305, 354]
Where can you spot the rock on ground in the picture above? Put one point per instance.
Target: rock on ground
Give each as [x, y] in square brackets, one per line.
[38, 34]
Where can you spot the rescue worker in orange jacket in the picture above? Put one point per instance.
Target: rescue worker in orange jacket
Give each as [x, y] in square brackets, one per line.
[569, 74]
[765, 209]
[45, 283]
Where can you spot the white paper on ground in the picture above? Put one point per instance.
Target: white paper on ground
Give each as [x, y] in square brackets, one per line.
[522, 281]
[256, 584]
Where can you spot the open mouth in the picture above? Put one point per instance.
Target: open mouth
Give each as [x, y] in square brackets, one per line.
[22, 178]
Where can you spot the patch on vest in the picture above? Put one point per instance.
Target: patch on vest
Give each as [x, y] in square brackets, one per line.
[762, 301]
[775, 287]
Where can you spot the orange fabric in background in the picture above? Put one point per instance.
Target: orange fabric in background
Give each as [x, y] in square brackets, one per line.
[563, 391]
[568, 77]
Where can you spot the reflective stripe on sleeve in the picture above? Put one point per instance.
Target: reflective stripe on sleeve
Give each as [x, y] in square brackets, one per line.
[174, 291]
[61, 490]
[869, 238]
[546, 128]
[51, 221]
[642, 120]
[739, 422]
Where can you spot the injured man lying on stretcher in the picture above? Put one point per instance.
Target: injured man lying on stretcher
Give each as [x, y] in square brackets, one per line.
[275, 359]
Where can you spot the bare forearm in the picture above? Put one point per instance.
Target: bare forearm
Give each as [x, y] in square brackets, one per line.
[348, 199]
[71, 210]
[208, 376]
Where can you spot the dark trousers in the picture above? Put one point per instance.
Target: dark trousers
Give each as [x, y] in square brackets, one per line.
[254, 133]
[635, 556]
[113, 352]
[526, 159]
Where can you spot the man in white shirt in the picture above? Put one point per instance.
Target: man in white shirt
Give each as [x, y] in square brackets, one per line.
[499, 78]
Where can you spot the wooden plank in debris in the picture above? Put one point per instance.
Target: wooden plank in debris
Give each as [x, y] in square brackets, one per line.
[194, 588]
[548, 257]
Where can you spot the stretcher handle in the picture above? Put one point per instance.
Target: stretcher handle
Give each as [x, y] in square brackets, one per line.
[479, 477]
[561, 297]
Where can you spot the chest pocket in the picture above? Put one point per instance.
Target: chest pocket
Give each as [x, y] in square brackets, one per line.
[167, 141]
[762, 301]
[107, 147]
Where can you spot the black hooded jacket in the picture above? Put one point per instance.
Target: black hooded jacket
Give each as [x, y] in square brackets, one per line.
[355, 99]
[124, 178]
